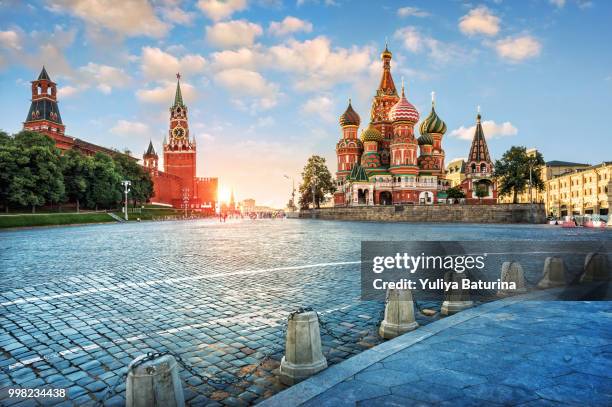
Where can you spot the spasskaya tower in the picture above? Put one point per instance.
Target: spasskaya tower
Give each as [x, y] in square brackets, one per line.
[180, 150]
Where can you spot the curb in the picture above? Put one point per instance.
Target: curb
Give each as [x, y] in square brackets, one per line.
[323, 381]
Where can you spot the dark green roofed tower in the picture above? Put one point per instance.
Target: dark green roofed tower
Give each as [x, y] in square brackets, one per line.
[44, 115]
[44, 75]
[150, 150]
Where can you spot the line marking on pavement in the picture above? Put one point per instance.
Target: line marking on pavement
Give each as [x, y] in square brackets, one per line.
[121, 286]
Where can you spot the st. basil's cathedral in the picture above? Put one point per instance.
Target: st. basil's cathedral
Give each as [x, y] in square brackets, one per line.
[388, 165]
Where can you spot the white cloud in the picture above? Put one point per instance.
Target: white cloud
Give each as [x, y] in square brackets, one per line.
[67, 91]
[220, 9]
[164, 93]
[177, 15]
[128, 128]
[517, 49]
[103, 76]
[10, 39]
[245, 58]
[489, 127]
[417, 42]
[411, 11]
[243, 81]
[230, 34]
[289, 25]
[558, 3]
[321, 106]
[316, 64]
[159, 65]
[130, 18]
[479, 21]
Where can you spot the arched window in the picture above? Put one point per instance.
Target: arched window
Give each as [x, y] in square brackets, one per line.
[473, 167]
[483, 167]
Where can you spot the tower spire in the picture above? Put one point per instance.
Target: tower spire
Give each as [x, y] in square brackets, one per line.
[386, 81]
[178, 96]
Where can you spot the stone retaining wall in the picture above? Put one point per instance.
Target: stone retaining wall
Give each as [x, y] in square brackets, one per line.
[499, 213]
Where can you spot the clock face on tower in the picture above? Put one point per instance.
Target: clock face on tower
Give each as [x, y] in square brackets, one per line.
[178, 133]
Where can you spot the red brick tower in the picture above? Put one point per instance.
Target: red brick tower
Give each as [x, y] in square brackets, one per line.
[44, 115]
[180, 150]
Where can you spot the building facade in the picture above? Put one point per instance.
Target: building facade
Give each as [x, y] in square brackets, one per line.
[44, 117]
[583, 191]
[177, 184]
[387, 164]
[455, 172]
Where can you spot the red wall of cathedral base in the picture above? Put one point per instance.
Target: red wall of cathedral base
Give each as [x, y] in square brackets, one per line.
[168, 190]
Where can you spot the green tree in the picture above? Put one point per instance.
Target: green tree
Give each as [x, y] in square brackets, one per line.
[77, 169]
[104, 183]
[455, 193]
[481, 191]
[316, 172]
[40, 180]
[11, 163]
[141, 189]
[513, 172]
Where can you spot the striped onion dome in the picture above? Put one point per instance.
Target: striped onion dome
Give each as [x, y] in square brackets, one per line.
[403, 110]
[349, 117]
[432, 124]
[371, 134]
[425, 139]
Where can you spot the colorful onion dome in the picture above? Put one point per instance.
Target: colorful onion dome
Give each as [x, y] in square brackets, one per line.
[371, 134]
[425, 139]
[403, 110]
[432, 123]
[349, 117]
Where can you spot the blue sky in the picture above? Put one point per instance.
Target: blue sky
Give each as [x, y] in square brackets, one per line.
[266, 80]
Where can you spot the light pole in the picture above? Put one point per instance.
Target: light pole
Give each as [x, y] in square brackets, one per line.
[314, 191]
[185, 200]
[292, 190]
[126, 188]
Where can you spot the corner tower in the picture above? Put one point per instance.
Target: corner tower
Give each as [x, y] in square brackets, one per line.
[180, 149]
[44, 115]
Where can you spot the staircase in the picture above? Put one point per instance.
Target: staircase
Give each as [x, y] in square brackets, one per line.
[117, 218]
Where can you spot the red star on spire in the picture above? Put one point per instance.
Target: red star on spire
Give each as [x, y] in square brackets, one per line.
[178, 75]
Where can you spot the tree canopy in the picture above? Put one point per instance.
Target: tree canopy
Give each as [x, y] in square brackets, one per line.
[315, 171]
[33, 173]
[513, 172]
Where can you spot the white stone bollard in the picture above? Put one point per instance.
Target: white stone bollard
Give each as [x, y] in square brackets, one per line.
[553, 274]
[512, 271]
[455, 300]
[399, 314]
[303, 356]
[596, 268]
[154, 383]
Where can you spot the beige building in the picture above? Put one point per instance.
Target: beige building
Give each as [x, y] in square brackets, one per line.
[584, 191]
[454, 171]
[570, 189]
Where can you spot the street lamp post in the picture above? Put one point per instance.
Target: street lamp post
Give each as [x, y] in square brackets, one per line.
[126, 188]
[314, 192]
[292, 190]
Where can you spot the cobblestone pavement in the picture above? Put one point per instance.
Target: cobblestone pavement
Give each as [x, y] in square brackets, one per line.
[77, 304]
[534, 353]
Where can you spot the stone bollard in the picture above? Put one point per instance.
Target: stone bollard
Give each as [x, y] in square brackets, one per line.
[455, 300]
[399, 314]
[596, 268]
[553, 274]
[303, 356]
[512, 272]
[154, 382]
